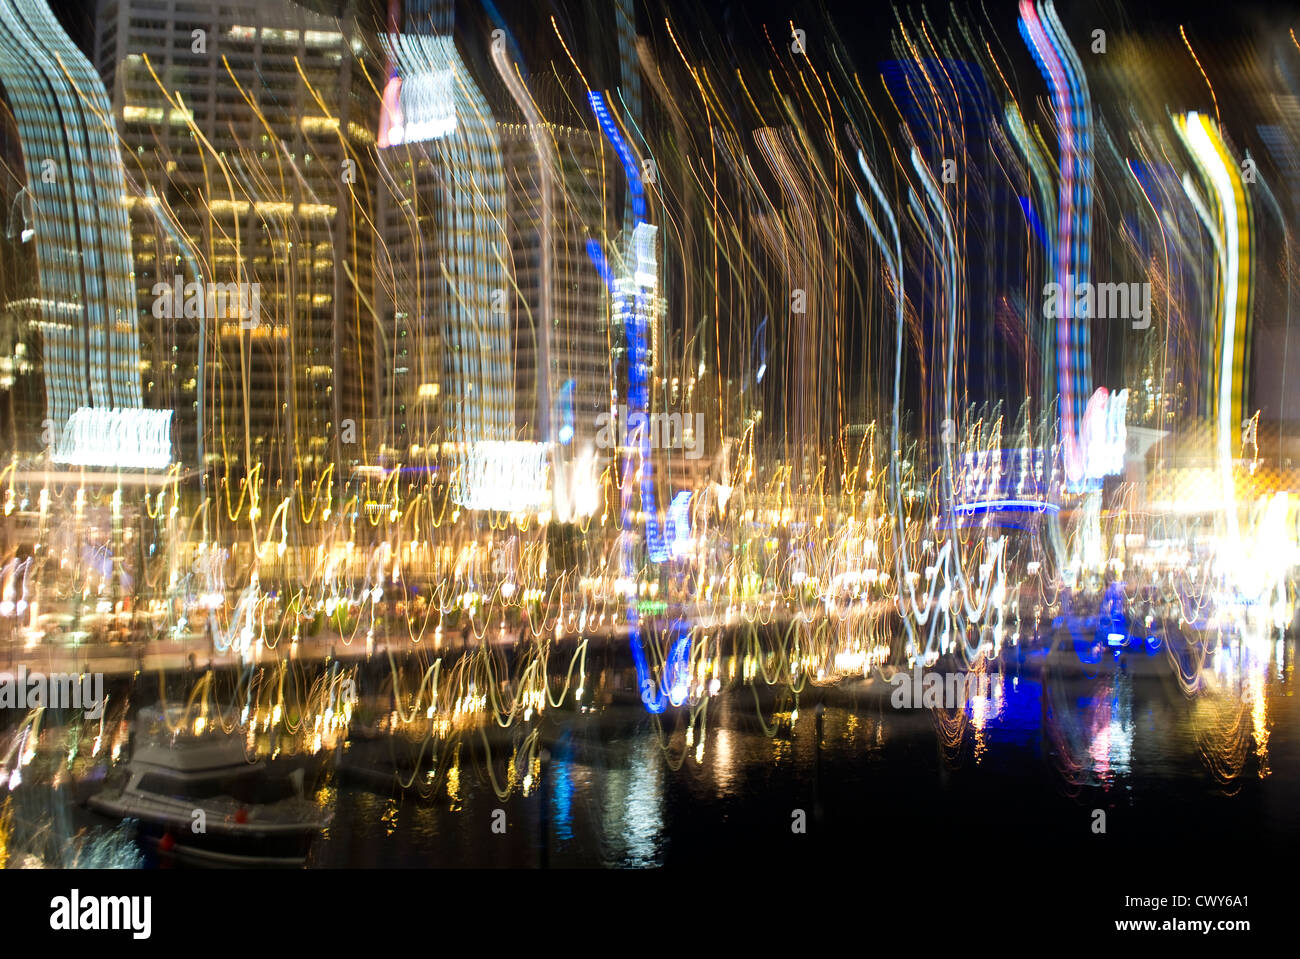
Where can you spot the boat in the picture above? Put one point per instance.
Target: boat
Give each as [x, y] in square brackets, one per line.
[199, 799]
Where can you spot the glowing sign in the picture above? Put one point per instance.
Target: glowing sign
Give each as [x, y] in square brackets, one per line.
[1008, 505]
[1104, 434]
[419, 100]
[506, 476]
[417, 108]
[647, 263]
[679, 524]
[121, 438]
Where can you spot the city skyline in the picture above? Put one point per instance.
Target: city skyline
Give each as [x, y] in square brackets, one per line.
[754, 437]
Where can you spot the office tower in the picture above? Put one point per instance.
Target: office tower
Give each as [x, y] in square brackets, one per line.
[562, 378]
[22, 388]
[247, 127]
[448, 278]
[68, 304]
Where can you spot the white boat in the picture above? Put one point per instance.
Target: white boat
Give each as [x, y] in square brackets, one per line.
[199, 798]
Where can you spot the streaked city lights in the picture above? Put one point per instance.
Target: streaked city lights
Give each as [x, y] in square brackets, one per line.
[590, 425]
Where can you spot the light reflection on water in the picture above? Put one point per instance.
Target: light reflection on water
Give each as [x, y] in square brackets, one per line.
[632, 799]
[1032, 758]
[1029, 761]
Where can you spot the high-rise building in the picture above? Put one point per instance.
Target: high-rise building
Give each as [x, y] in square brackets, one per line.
[67, 303]
[562, 371]
[247, 125]
[448, 278]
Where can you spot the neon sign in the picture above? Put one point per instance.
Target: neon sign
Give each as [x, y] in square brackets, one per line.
[419, 100]
[1104, 434]
[122, 438]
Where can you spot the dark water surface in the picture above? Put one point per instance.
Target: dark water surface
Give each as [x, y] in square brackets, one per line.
[1018, 777]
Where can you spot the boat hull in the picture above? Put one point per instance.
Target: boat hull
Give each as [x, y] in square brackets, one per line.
[222, 842]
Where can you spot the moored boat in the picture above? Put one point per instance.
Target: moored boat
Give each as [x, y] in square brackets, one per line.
[201, 799]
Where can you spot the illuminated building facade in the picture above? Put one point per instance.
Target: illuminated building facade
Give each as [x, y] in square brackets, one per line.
[22, 391]
[247, 126]
[562, 408]
[443, 216]
[68, 304]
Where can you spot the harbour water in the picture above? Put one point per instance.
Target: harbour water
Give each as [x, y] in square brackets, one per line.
[1053, 755]
[1020, 774]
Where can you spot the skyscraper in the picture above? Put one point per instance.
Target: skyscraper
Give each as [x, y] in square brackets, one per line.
[450, 284]
[445, 230]
[562, 378]
[249, 124]
[73, 314]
